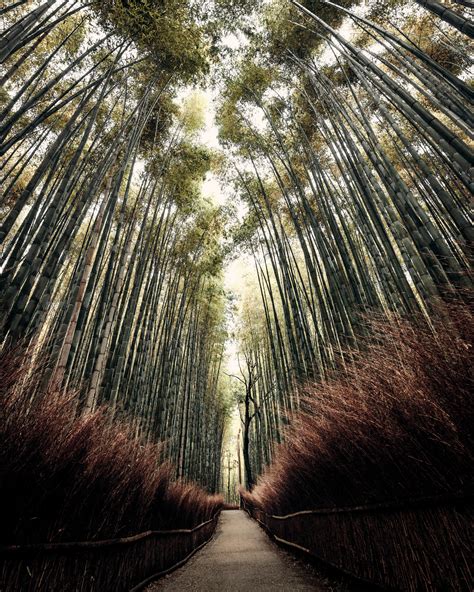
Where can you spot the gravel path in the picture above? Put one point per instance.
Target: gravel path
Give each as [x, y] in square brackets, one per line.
[241, 558]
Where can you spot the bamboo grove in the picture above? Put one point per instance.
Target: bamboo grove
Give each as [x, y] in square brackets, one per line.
[111, 259]
[351, 136]
[347, 131]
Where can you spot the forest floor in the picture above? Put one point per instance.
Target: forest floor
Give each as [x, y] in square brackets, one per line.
[242, 558]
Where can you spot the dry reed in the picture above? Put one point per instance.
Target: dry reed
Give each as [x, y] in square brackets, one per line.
[394, 426]
[68, 478]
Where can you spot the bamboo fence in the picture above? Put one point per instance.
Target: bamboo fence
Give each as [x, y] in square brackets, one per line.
[118, 565]
[419, 545]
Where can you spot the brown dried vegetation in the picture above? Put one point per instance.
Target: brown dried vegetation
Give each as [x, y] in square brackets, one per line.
[68, 478]
[394, 425]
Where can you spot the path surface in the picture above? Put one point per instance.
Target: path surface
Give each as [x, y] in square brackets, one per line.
[241, 558]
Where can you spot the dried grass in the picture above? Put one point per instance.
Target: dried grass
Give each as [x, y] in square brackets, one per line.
[393, 426]
[68, 478]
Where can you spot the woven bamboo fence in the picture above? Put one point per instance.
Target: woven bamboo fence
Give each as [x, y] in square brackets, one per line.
[115, 565]
[423, 545]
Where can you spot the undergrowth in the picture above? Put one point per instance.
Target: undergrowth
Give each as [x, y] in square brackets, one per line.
[395, 424]
[68, 478]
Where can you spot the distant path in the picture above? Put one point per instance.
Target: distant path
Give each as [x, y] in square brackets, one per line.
[241, 558]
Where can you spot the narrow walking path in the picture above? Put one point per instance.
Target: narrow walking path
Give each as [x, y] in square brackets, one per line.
[241, 558]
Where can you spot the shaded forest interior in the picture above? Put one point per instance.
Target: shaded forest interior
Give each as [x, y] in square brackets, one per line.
[236, 251]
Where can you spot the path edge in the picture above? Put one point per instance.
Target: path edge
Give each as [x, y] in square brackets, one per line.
[318, 562]
[160, 574]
